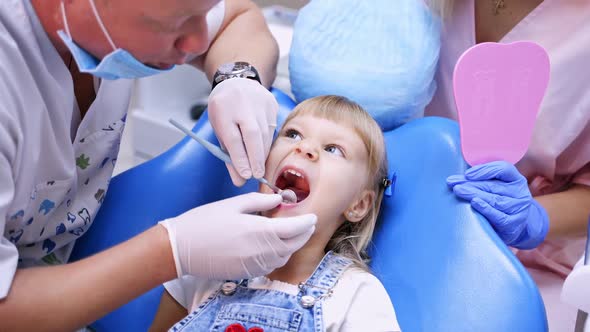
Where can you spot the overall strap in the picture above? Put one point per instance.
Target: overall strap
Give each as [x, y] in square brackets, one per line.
[326, 275]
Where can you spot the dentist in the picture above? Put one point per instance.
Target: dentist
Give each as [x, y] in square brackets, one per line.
[66, 72]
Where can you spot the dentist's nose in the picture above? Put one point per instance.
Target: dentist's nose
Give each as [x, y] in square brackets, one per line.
[308, 151]
[195, 39]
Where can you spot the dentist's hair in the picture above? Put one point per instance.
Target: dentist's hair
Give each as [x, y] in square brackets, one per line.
[352, 238]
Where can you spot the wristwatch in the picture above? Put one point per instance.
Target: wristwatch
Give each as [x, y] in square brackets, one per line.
[235, 69]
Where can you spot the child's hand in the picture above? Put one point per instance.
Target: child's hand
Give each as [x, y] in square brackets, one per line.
[501, 194]
[223, 240]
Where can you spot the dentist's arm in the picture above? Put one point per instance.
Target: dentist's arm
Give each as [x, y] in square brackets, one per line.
[243, 112]
[221, 240]
[243, 36]
[568, 211]
[67, 297]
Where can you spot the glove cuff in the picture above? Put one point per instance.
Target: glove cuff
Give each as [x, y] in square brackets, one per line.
[172, 238]
[536, 229]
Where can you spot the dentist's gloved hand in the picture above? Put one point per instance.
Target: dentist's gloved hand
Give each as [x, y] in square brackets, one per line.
[500, 193]
[222, 240]
[243, 114]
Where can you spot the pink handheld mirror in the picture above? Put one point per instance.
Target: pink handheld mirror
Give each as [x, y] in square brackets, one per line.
[498, 91]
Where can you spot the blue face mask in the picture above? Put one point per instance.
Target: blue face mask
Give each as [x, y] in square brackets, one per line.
[117, 64]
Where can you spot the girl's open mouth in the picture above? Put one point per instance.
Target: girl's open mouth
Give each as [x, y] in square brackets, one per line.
[294, 180]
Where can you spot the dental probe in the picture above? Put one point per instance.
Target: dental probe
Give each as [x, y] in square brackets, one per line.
[288, 195]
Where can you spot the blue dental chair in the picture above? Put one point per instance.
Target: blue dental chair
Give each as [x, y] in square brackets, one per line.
[441, 263]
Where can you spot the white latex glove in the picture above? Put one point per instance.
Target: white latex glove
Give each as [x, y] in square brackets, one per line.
[243, 114]
[222, 240]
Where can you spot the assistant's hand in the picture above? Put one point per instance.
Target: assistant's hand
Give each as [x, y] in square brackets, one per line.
[501, 194]
[243, 114]
[222, 240]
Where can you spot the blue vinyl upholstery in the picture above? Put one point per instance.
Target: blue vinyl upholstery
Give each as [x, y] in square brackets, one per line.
[441, 262]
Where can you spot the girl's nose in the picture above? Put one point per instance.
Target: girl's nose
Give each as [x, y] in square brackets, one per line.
[307, 151]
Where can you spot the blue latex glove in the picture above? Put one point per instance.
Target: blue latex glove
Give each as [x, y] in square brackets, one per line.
[500, 193]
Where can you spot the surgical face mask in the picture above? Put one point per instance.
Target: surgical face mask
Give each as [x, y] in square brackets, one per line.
[117, 64]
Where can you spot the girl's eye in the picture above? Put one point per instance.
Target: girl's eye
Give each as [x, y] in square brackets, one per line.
[293, 134]
[334, 149]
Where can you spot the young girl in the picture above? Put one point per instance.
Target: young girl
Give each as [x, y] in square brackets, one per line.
[331, 153]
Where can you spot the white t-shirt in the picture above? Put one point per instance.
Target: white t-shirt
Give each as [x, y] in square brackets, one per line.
[54, 167]
[359, 301]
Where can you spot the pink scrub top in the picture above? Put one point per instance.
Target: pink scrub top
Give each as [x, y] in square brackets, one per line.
[559, 154]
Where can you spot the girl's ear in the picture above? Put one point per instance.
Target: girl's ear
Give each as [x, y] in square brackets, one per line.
[359, 208]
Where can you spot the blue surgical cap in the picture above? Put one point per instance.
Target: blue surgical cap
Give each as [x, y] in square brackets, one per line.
[380, 53]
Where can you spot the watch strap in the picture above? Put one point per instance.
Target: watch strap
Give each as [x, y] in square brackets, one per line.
[246, 71]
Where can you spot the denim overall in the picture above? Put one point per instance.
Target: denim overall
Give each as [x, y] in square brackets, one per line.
[236, 308]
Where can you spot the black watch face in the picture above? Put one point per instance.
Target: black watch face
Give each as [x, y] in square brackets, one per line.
[233, 67]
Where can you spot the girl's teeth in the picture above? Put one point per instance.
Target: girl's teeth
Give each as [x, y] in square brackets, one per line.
[294, 172]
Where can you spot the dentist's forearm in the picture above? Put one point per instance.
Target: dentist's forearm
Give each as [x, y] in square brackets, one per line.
[568, 211]
[244, 36]
[68, 297]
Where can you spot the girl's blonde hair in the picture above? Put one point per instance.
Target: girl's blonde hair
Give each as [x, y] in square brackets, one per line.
[352, 238]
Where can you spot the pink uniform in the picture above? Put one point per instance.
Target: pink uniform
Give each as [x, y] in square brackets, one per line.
[559, 154]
